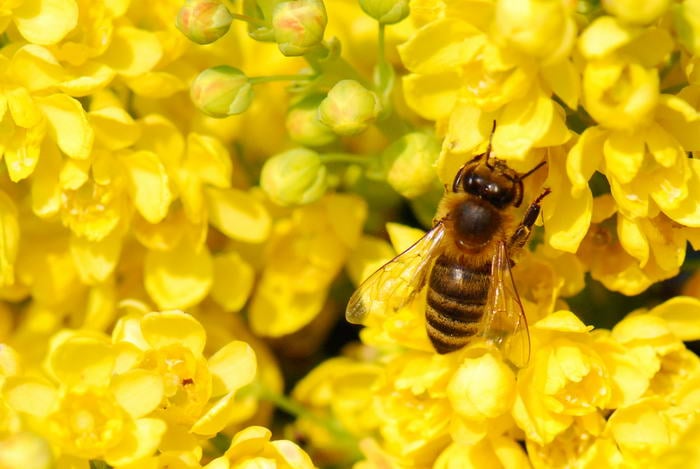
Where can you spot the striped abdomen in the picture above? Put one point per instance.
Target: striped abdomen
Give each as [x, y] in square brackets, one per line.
[456, 301]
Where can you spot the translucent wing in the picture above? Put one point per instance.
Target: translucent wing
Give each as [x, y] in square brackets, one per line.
[396, 283]
[505, 323]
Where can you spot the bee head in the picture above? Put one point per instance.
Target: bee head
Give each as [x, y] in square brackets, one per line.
[492, 180]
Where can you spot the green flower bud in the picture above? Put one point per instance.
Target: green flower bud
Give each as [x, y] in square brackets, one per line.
[409, 164]
[203, 21]
[221, 91]
[303, 124]
[386, 11]
[349, 108]
[299, 25]
[294, 177]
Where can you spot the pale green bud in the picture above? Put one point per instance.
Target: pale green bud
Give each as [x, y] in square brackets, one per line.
[349, 108]
[303, 124]
[203, 21]
[294, 177]
[409, 163]
[298, 25]
[221, 91]
[386, 11]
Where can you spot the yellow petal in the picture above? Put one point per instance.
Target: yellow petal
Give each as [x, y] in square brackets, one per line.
[100, 309]
[173, 328]
[441, 46]
[432, 96]
[468, 128]
[249, 441]
[114, 128]
[562, 321]
[133, 51]
[150, 190]
[624, 154]
[25, 113]
[688, 211]
[179, 278]
[9, 240]
[82, 360]
[139, 441]
[584, 158]
[86, 79]
[402, 237]
[209, 160]
[138, 391]
[68, 124]
[292, 455]
[30, 395]
[232, 367]
[662, 145]
[217, 416]
[567, 217]
[96, 260]
[346, 215]
[22, 153]
[682, 314]
[564, 80]
[163, 138]
[46, 21]
[35, 68]
[522, 124]
[369, 255]
[603, 36]
[233, 281]
[633, 239]
[238, 215]
[157, 85]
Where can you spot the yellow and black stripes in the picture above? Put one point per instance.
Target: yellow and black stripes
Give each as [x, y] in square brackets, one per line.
[455, 303]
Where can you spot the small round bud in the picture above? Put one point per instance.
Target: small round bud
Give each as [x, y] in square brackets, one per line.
[221, 91]
[303, 124]
[349, 108]
[298, 25]
[203, 21]
[294, 177]
[409, 163]
[386, 11]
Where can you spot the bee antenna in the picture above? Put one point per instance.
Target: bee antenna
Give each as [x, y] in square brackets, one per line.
[523, 176]
[488, 148]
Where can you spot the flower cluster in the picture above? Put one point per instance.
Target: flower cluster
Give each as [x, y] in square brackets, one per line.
[192, 188]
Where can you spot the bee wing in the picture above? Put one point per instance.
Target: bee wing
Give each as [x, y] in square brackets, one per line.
[505, 323]
[396, 283]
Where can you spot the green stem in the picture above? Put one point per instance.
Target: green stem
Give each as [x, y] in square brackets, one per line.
[347, 158]
[271, 78]
[381, 56]
[248, 19]
[297, 410]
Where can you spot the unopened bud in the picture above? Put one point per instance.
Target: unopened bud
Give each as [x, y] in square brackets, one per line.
[349, 108]
[303, 124]
[299, 25]
[409, 163]
[221, 91]
[203, 21]
[294, 177]
[386, 11]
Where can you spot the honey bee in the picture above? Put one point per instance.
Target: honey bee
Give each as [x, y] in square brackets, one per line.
[465, 261]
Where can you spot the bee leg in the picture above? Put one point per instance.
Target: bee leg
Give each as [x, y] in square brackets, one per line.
[523, 231]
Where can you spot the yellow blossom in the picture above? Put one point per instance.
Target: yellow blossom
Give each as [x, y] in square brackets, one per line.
[252, 448]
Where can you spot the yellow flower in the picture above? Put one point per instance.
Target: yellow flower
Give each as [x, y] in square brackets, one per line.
[305, 252]
[90, 413]
[566, 378]
[252, 448]
[198, 393]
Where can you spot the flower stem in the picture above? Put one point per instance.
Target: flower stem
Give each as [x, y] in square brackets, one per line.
[291, 407]
[248, 19]
[271, 78]
[347, 158]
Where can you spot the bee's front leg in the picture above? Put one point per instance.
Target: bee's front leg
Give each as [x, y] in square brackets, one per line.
[523, 231]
